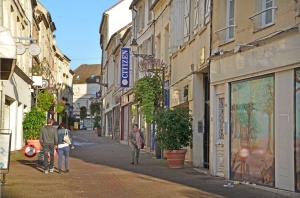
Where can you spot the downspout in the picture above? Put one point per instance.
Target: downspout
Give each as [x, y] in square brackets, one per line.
[210, 39]
[1, 106]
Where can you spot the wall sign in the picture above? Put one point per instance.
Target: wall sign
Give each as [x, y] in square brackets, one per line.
[125, 67]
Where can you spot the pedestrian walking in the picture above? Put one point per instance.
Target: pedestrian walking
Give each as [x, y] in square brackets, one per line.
[48, 139]
[136, 139]
[63, 147]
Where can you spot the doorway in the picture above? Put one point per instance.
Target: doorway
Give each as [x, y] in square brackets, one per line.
[206, 120]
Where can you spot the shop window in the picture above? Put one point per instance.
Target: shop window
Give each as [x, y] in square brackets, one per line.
[252, 131]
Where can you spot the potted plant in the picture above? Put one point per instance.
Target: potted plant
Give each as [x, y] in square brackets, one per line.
[33, 122]
[173, 133]
[96, 122]
[71, 121]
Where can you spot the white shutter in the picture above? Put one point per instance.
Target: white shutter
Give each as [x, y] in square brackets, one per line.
[176, 25]
[186, 20]
[196, 16]
[143, 16]
[149, 11]
[1, 13]
[207, 11]
[202, 13]
[137, 21]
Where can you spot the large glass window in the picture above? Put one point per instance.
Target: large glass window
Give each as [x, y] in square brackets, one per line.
[297, 103]
[252, 131]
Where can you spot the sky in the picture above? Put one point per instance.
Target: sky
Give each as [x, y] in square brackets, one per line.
[77, 28]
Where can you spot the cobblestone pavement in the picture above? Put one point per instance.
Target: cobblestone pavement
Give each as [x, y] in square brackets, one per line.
[100, 167]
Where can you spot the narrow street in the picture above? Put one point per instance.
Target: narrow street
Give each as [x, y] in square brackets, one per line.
[100, 167]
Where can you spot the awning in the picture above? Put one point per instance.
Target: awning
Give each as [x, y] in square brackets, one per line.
[8, 53]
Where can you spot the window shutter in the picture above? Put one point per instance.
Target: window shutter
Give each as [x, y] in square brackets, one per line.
[196, 16]
[176, 25]
[149, 11]
[207, 11]
[137, 20]
[1, 15]
[186, 20]
[143, 16]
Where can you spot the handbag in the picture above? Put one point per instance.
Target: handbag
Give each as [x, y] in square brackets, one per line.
[142, 146]
[66, 137]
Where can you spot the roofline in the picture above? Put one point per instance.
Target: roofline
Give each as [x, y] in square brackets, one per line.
[133, 3]
[117, 32]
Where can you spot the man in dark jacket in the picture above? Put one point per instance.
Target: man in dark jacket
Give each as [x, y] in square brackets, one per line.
[48, 139]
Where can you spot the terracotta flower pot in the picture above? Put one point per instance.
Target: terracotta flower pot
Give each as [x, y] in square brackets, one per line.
[71, 128]
[96, 130]
[175, 157]
[35, 143]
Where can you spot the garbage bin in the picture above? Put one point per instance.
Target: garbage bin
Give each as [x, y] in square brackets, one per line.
[157, 151]
[99, 132]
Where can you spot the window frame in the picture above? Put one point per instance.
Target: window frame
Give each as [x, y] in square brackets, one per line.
[264, 14]
[228, 20]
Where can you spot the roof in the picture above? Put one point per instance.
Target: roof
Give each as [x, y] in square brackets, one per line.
[86, 71]
[116, 33]
[134, 2]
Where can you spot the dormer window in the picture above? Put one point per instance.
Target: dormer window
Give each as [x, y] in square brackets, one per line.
[77, 77]
[93, 76]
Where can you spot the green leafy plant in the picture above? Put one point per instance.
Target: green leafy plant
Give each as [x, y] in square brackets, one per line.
[148, 94]
[71, 121]
[174, 128]
[45, 100]
[37, 70]
[95, 108]
[96, 121]
[60, 107]
[83, 112]
[33, 122]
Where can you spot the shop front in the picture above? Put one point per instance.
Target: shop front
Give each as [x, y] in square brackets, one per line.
[254, 114]
[127, 117]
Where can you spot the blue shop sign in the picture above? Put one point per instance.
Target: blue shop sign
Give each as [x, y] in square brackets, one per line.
[125, 67]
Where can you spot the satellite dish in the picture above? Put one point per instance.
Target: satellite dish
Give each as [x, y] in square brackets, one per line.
[34, 49]
[20, 48]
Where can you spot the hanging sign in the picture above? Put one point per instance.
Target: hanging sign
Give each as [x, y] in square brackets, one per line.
[125, 67]
[4, 150]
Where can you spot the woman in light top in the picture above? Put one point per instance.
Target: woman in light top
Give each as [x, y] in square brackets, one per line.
[136, 139]
[63, 148]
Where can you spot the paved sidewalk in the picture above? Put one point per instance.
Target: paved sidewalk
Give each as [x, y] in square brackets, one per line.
[100, 167]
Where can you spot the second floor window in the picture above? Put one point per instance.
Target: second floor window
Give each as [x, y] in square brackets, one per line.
[94, 90]
[266, 17]
[230, 20]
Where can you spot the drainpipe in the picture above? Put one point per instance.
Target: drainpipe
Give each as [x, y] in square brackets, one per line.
[1, 106]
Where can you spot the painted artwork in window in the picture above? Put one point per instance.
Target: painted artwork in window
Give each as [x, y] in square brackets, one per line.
[221, 118]
[252, 131]
[297, 111]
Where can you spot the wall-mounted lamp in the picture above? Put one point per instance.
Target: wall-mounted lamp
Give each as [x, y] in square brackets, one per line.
[134, 46]
[104, 84]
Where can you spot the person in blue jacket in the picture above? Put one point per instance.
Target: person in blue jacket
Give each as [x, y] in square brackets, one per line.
[63, 147]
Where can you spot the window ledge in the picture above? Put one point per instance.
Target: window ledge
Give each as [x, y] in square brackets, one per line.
[269, 25]
[149, 23]
[227, 42]
[202, 29]
[191, 41]
[182, 48]
[140, 31]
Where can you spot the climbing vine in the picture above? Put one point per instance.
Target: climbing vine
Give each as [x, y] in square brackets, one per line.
[148, 94]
